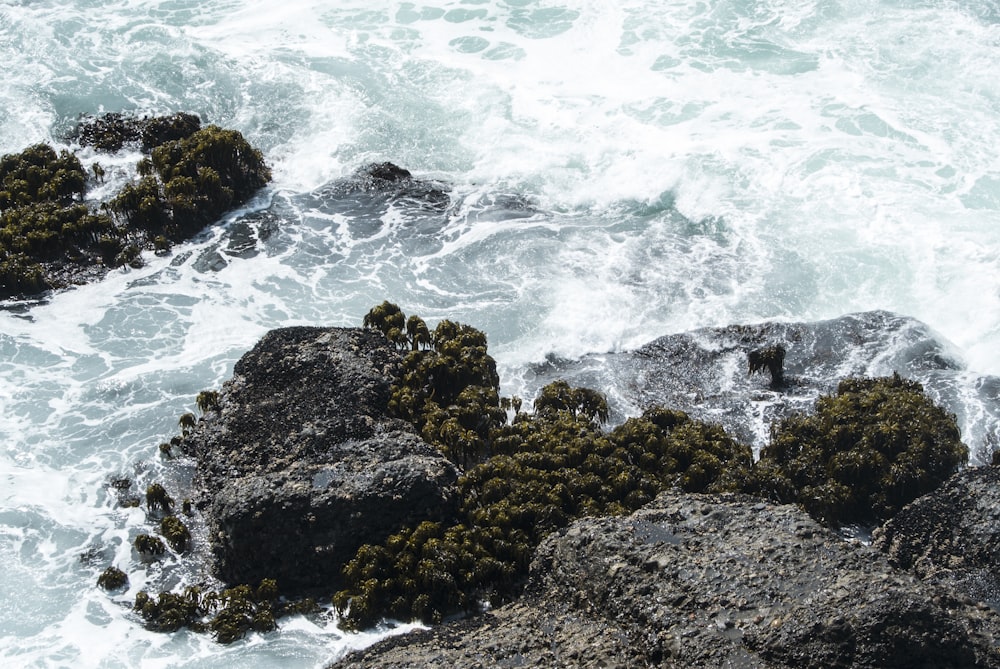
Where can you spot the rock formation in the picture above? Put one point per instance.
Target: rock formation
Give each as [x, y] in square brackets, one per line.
[951, 536]
[301, 464]
[709, 581]
[704, 372]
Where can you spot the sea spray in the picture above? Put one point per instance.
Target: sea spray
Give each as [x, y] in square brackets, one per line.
[615, 173]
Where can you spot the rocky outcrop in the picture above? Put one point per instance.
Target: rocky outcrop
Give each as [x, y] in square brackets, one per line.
[705, 372]
[53, 236]
[299, 463]
[705, 581]
[372, 188]
[951, 536]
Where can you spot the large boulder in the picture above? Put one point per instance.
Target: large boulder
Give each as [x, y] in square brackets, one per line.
[298, 462]
[709, 581]
[706, 372]
[951, 536]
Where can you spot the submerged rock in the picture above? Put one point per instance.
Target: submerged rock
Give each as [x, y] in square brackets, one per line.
[372, 189]
[709, 581]
[300, 463]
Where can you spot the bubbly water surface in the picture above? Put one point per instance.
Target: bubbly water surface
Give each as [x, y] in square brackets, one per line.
[616, 171]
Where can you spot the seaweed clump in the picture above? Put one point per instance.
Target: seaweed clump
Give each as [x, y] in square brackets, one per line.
[189, 182]
[868, 450]
[50, 237]
[112, 578]
[448, 387]
[42, 217]
[228, 614]
[176, 533]
[157, 499]
[522, 478]
[770, 358]
[149, 547]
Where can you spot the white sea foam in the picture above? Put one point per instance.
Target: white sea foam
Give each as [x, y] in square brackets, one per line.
[617, 171]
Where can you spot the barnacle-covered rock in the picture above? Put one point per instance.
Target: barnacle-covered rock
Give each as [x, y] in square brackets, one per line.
[951, 536]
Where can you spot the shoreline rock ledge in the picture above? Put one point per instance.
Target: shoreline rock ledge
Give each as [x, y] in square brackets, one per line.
[709, 581]
[299, 463]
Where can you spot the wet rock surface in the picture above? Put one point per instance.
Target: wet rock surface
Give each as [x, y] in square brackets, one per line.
[951, 536]
[300, 463]
[709, 581]
[705, 372]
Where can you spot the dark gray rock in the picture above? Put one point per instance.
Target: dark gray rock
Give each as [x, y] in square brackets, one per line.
[521, 634]
[705, 372]
[703, 581]
[951, 536]
[301, 464]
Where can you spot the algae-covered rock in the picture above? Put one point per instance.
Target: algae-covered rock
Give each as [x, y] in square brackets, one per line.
[113, 131]
[42, 217]
[522, 480]
[707, 581]
[51, 238]
[299, 462]
[190, 182]
[863, 454]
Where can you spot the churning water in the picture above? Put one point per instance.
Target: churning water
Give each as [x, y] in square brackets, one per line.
[616, 171]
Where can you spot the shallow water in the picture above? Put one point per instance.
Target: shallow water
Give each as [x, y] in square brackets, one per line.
[615, 171]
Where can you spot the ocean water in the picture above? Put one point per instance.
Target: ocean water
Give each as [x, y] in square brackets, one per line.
[616, 171]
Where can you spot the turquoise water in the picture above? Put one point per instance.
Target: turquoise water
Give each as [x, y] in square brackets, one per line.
[616, 171]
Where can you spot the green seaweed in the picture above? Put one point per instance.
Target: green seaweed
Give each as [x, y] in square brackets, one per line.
[176, 533]
[112, 578]
[521, 479]
[868, 450]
